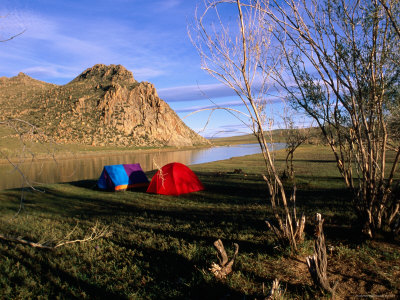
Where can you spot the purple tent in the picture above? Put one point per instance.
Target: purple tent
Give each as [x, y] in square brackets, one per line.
[122, 177]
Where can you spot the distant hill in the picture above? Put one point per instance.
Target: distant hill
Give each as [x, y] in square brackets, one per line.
[276, 135]
[104, 105]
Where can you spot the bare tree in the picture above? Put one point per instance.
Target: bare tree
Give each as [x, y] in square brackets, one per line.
[392, 13]
[239, 54]
[343, 71]
[295, 136]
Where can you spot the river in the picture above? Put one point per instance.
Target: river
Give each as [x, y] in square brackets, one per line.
[74, 169]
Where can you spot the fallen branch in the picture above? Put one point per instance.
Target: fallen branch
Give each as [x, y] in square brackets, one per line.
[24, 242]
[97, 232]
[225, 266]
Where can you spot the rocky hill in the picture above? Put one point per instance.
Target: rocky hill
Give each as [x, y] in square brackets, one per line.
[104, 105]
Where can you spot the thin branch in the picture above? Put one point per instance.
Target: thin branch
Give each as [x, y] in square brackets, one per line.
[13, 37]
[97, 232]
[389, 13]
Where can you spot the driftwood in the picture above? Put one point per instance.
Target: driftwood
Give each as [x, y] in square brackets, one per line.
[318, 263]
[96, 233]
[225, 265]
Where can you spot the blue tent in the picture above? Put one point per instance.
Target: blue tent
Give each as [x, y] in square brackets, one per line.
[122, 177]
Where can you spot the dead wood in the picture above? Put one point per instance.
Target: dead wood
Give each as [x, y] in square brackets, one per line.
[289, 231]
[275, 292]
[283, 233]
[318, 263]
[24, 242]
[225, 265]
[96, 232]
[396, 227]
[299, 233]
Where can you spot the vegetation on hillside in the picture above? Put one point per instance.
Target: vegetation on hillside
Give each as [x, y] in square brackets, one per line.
[103, 106]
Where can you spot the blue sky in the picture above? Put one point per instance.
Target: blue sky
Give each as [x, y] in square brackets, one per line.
[149, 38]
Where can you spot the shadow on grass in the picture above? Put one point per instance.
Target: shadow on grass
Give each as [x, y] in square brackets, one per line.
[173, 273]
[233, 199]
[55, 278]
[86, 184]
[232, 208]
[289, 288]
[246, 246]
[91, 184]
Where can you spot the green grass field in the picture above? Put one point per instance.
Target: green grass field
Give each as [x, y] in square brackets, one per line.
[278, 136]
[162, 246]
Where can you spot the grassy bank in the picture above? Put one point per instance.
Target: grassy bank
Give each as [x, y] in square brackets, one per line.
[161, 246]
[278, 136]
[45, 151]
[11, 146]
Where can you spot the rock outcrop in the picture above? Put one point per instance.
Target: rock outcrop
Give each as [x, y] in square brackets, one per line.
[104, 105]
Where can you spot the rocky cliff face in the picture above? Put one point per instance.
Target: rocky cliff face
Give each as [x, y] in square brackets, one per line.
[104, 105]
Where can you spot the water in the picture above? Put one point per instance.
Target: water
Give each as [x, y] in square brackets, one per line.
[74, 169]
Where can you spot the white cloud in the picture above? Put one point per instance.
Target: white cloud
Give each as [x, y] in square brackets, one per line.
[49, 42]
[147, 72]
[48, 71]
[220, 105]
[225, 130]
[206, 91]
[168, 4]
[195, 92]
[11, 24]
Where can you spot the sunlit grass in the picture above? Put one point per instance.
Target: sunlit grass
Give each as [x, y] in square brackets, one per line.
[161, 246]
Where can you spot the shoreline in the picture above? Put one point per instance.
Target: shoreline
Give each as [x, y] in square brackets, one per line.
[66, 167]
[66, 154]
[79, 151]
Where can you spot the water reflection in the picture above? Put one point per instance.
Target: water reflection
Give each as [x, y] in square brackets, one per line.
[73, 169]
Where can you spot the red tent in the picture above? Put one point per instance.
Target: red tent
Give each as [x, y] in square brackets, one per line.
[174, 179]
